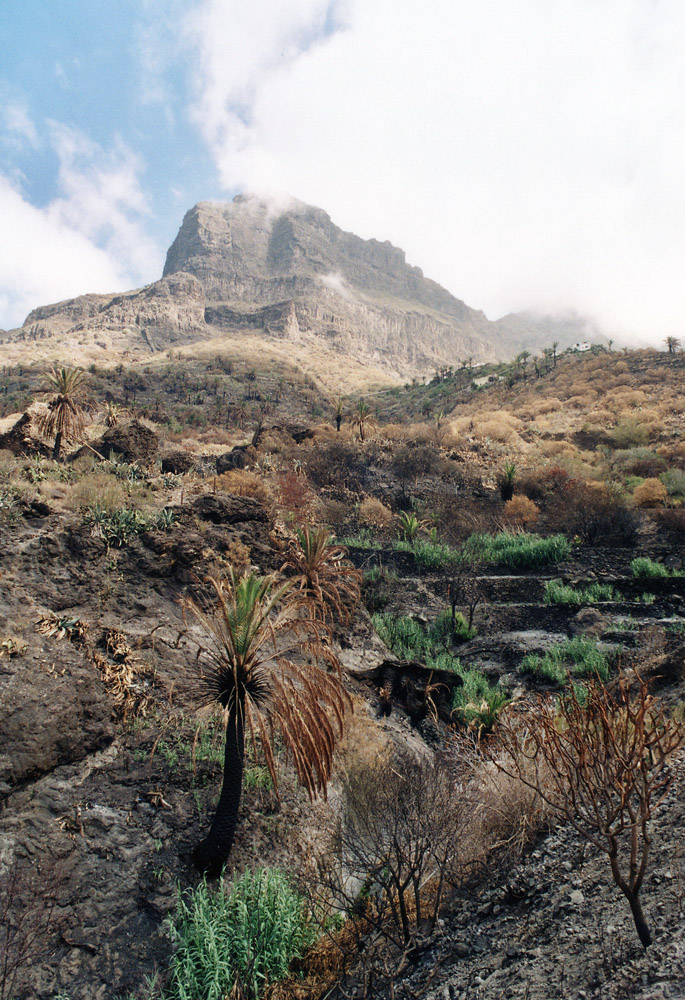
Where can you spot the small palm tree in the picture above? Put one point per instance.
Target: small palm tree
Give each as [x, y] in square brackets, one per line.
[362, 418]
[338, 412]
[112, 414]
[506, 482]
[265, 668]
[672, 343]
[65, 417]
[321, 572]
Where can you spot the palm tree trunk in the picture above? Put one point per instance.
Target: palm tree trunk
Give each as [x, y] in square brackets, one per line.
[212, 853]
[58, 446]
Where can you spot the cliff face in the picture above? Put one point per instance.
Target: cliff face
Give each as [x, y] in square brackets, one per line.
[289, 274]
[358, 295]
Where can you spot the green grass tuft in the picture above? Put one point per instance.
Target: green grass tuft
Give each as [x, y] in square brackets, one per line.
[577, 656]
[237, 938]
[516, 550]
[563, 595]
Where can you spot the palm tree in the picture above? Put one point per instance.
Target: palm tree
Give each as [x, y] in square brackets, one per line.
[251, 674]
[672, 343]
[65, 417]
[321, 572]
[362, 418]
[338, 412]
[113, 412]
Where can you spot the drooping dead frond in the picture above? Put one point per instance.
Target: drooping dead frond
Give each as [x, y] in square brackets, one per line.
[272, 667]
[322, 573]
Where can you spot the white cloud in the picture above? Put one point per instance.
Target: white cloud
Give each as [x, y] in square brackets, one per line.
[19, 125]
[525, 155]
[90, 239]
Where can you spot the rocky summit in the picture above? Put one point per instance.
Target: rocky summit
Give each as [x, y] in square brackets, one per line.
[247, 269]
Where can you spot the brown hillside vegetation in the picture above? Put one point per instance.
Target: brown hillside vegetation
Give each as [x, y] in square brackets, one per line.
[462, 559]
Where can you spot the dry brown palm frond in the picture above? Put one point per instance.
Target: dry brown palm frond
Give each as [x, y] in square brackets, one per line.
[274, 665]
[322, 573]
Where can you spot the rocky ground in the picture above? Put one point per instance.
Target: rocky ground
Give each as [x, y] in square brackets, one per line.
[108, 773]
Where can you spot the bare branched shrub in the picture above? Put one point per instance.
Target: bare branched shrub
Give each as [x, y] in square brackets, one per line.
[28, 923]
[601, 761]
[394, 856]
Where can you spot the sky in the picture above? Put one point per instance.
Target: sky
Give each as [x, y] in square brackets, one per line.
[526, 154]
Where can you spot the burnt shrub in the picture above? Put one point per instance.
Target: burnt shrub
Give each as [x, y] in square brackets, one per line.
[595, 512]
[337, 464]
[410, 462]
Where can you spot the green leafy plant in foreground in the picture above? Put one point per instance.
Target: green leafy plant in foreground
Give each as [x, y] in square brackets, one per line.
[237, 938]
[478, 703]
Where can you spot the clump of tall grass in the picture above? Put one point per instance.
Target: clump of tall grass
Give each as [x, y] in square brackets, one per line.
[237, 938]
[578, 656]
[410, 640]
[563, 595]
[516, 550]
[644, 568]
[430, 555]
[476, 703]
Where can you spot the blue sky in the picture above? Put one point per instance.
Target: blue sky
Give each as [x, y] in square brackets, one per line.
[525, 155]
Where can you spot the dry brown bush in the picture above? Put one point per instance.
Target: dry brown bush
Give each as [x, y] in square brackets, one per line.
[243, 483]
[238, 556]
[521, 512]
[651, 493]
[497, 430]
[374, 513]
[102, 488]
[297, 501]
[594, 512]
[557, 449]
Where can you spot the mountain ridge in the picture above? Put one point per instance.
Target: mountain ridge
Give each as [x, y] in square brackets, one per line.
[245, 268]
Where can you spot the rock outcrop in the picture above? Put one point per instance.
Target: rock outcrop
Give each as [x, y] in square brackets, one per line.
[296, 274]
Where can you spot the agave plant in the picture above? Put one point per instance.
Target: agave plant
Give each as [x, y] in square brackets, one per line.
[321, 573]
[270, 670]
[409, 526]
[65, 417]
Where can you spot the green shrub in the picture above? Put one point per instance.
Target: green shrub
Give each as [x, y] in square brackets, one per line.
[118, 526]
[563, 595]
[477, 703]
[644, 568]
[578, 656]
[364, 539]
[429, 554]
[235, 939]
[410, 640]
[674, 481]
[516, 550]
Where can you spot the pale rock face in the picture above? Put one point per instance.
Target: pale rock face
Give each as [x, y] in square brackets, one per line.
[295, 274]
[286, 274]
